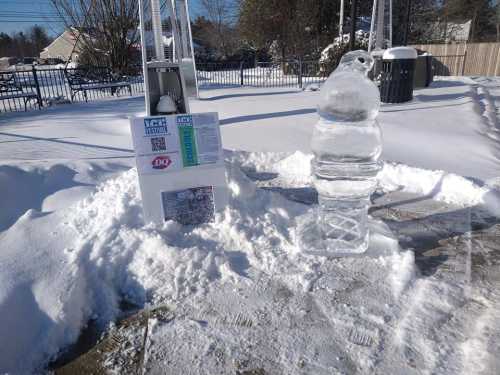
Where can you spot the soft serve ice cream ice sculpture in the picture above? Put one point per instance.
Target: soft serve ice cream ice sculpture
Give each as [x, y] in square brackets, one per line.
[347, 144]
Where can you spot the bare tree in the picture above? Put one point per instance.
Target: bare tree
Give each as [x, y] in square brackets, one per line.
[291, 28]
[222, 16]
[107, 29]
[497, 21]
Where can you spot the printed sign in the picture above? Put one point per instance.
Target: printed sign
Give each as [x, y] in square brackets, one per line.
[181, 167]
[155, 126]
[189, 206]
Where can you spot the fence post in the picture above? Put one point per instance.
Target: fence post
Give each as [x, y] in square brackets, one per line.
[37, 86]
[300, 74]
[241, 73]
[464, 61]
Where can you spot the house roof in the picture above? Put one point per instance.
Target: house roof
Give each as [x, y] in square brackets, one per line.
[69, 35]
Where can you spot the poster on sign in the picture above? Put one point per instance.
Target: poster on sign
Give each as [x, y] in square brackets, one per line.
[180, 165]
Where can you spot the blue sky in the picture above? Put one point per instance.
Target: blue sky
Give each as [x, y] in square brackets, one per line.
[19, 15]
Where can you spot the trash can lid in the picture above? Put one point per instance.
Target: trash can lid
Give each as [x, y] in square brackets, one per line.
[377, 53]
[400, 53]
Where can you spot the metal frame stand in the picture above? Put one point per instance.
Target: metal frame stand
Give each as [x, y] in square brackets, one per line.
[164, 76]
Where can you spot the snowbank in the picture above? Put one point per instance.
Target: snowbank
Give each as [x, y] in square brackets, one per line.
[58, 270]
[62, 263]
[43, 294]
[295, 170]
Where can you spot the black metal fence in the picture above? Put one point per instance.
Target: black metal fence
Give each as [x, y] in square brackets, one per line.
[51, 86]
[261, 74]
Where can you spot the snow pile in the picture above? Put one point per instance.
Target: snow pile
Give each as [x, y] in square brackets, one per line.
[337, 324]
[43, 295]
[100, 252]
[58, 270]
[295, 170]
[70, 65]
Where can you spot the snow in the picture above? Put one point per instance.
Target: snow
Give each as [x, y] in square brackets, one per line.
[73, 243]
[43, 296]
[295, 170]
[400, 53]
[362, 38]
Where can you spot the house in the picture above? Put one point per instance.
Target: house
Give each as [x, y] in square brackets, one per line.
[66, 46]
[458, 32]
[449, 32]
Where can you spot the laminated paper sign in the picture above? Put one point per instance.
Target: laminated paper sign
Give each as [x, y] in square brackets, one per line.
[181, 167]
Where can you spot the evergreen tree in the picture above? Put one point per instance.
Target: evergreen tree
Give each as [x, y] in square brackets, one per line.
[39, 39]
[6, 45]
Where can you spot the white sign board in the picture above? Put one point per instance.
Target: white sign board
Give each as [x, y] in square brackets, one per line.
[180, 164]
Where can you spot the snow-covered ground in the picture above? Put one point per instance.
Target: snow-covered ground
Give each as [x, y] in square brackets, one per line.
[73, 244]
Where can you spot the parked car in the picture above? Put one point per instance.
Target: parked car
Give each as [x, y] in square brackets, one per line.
[30, 60]
[54, 61]
[5, 62]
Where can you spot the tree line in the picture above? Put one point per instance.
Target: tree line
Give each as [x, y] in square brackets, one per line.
[27, 43]
[246, 30]
[290, 29]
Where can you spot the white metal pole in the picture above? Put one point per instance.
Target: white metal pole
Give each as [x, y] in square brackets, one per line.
[184, 29]
[372, 26]
[390, 24]
[157, 29]
[175, 35]
[175, 30]
[341, 22]
[144, 57]
[379, 37]
[175, 55]
[191, 47]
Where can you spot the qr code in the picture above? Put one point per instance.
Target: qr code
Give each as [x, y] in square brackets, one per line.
[158, 144]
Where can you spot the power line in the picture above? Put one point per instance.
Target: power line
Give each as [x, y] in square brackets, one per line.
[49, 18]
[26, 11]
[34, 14]
[35, 21]
[24, 2]
[30, 18]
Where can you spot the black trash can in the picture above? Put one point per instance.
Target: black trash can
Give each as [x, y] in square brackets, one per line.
[423, 71]
[398, 69]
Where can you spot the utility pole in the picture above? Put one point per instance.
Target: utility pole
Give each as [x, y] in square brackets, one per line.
[341, 22]
[354, 12]
[407, 29]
